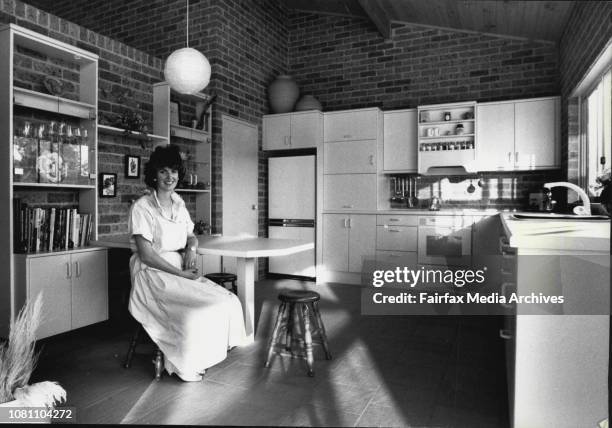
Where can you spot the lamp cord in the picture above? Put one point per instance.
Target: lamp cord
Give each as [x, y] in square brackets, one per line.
[187, 41]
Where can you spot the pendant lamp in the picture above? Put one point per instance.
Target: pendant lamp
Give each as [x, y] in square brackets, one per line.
[187, 71]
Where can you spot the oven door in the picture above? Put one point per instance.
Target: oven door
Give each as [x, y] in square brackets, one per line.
[445, 240]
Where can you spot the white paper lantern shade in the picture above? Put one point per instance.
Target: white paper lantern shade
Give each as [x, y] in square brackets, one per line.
[187, 71]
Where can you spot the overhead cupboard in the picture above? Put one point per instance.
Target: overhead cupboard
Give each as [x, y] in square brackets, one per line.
[292, 130]
[48, 129]
[350, 158]
[519, 134]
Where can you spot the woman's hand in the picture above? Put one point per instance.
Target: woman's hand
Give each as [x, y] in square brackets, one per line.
[191, 274]
[189, 259]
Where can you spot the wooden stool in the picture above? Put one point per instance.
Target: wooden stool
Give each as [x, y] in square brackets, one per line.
[303, 305]
[158, 359]
[222, 277]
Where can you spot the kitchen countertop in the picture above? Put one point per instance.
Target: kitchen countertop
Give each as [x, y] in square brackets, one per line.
[414, 211]
[570, 235]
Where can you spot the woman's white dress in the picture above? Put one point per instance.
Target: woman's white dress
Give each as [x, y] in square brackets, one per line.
[192, 322]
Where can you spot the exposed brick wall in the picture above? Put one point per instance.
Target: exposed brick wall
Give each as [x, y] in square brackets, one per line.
[346, 63]
[244, 40]
[125, 81]
[587, 32]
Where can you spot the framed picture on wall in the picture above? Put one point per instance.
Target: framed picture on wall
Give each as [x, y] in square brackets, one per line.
[132, 166]
[108, 185]
[175, 113]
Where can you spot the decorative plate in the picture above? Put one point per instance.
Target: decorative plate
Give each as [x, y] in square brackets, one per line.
[53, 85]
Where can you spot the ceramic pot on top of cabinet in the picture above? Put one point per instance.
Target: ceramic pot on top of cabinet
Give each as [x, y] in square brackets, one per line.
[283, 93]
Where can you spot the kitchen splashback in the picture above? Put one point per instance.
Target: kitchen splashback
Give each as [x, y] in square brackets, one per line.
[500, 190]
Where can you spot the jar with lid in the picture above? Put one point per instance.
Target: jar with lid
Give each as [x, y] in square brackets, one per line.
[459, 129]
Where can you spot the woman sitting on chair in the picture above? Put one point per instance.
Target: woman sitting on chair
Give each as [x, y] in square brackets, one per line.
[191, 319]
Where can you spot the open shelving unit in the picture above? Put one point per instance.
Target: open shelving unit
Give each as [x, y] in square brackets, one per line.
[49, 146]
[446, 136]
[195, 143]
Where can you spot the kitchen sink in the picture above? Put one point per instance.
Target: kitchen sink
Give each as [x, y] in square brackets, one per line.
[554, 216]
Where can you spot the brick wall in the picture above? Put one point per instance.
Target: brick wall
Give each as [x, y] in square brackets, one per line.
[125, 79]
[345, 63]
[244, 40]
[587, 32]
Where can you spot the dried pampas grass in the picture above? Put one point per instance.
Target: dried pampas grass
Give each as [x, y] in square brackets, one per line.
[18, 357]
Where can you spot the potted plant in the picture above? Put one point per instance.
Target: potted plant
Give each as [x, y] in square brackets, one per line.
[17, 362]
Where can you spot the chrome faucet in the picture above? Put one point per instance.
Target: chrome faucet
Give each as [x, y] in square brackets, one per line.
[585, 209]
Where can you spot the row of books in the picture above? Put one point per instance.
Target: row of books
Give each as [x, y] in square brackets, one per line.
[50, 229]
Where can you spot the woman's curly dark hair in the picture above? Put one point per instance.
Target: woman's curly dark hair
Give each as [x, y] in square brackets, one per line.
[163, 156]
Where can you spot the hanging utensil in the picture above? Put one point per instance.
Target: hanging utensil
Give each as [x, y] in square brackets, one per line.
[409, 199]
[394, 195]
[402, 186]
[471, 187]
[480, 182]
[414, 197]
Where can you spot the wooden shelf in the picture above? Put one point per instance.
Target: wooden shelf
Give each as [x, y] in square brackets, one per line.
[106, 129]
[56, 186]
[437, 137]
[52, 103]
[188, 133]
[444, 122]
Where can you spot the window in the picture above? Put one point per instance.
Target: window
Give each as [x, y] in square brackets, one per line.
[597, 130]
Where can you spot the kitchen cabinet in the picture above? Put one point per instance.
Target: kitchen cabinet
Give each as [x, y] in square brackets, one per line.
[351, 157]
[519, 134]
[400, 141]
[348, 241]
[352, 125]
[74, 286]
[349, 192]
[557, 364]
[446, 137]
[40, 133]
[292, 130]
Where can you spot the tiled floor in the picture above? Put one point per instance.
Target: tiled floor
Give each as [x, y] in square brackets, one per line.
[386, 371]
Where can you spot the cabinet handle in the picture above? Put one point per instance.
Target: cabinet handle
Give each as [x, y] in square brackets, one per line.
[68, 272]
[510, 157]
[505, 286]
[516, 157]
[394, 219]
[394, 230]
[394, 255]
[346, 223]
[347, 206]
[347, 136]
[505, 334]
[371, 157]
[349, 223]
[77, 269]
[289, 140]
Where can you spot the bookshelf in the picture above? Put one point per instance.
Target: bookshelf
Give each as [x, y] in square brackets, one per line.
[49, 150]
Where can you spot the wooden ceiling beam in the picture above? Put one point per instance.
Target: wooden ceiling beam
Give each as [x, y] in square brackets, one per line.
[378, 16]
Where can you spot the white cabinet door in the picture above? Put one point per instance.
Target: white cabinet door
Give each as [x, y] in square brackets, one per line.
[351, 125]
[305, 130]
[362, 242]
[350, 157]
[51, 275]
[349, 192]
[495, 129]
[536, 133]
[89, 288]
[400, 141]
[335, 242]
[276, 132]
